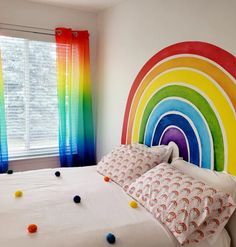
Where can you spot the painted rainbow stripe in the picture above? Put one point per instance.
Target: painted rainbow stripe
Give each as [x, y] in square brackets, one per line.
[186, 93]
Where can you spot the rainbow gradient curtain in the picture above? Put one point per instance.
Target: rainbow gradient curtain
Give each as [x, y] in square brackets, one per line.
[76, 128]
[3, 135]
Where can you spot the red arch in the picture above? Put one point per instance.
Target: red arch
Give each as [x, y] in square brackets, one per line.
[212, 52]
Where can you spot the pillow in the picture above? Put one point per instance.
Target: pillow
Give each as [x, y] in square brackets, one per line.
[219, 180]
[164, 150]
[190, 209]
[128, 162]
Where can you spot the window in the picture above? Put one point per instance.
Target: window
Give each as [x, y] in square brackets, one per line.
[30, 88]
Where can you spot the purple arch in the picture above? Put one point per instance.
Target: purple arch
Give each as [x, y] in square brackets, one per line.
[175, 135]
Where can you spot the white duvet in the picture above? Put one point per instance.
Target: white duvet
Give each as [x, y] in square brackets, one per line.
[48, 202]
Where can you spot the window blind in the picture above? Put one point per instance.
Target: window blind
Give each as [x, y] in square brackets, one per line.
[30, 90]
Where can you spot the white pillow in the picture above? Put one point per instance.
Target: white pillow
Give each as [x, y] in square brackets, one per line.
[220, 180]
[165, 149]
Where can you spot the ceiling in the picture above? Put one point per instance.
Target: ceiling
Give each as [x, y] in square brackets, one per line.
[89, 5]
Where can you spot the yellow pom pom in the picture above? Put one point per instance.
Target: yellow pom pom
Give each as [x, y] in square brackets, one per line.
[133, 204]
[18, 193]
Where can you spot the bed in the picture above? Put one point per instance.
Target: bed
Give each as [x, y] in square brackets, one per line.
[48, 202]
[185, 94]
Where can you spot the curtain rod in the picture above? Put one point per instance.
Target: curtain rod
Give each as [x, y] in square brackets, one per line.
[11, 27]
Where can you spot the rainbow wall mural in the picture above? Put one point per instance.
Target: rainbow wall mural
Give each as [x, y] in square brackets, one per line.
[186, 93]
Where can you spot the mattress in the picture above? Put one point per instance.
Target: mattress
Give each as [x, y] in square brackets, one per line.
[48, 202]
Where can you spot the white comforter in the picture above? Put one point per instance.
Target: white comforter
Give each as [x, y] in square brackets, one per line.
[48, 202]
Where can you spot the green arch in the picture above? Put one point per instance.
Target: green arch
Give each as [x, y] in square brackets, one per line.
[202, 105]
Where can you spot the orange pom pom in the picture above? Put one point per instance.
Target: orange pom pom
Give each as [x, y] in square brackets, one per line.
[106, 179]
[32, 228]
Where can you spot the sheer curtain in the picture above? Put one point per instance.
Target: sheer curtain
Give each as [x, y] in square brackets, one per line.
[3, 135]
[76, 128]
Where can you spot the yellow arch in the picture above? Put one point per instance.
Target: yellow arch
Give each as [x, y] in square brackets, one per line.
[209, 89]
[189, 62]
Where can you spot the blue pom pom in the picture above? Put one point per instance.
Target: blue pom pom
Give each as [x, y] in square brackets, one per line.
[9, 172]
[57, 174]
[111, 239]
[77, 199]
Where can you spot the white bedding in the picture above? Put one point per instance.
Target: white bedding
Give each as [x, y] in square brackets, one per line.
[48, 202]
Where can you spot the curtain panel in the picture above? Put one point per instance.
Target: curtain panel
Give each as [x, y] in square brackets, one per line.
[3, 134]
[76, 127]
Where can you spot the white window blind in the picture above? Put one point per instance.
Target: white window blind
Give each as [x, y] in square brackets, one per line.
[30, 89]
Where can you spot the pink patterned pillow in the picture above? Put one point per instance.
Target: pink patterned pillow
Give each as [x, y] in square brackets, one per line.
[128, 162]
[190, 209]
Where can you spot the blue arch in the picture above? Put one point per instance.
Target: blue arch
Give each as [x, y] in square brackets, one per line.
[184, 125]
[177, 105]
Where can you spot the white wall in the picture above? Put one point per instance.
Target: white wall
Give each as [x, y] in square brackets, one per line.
[133, 31]
[21, 12]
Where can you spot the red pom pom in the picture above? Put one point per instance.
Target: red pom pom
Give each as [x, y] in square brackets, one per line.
[32, 228]
[106, 179]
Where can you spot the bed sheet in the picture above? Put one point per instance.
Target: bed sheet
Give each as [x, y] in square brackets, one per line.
[48, 202]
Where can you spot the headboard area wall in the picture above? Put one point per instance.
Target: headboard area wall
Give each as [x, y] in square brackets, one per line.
[186, 93]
